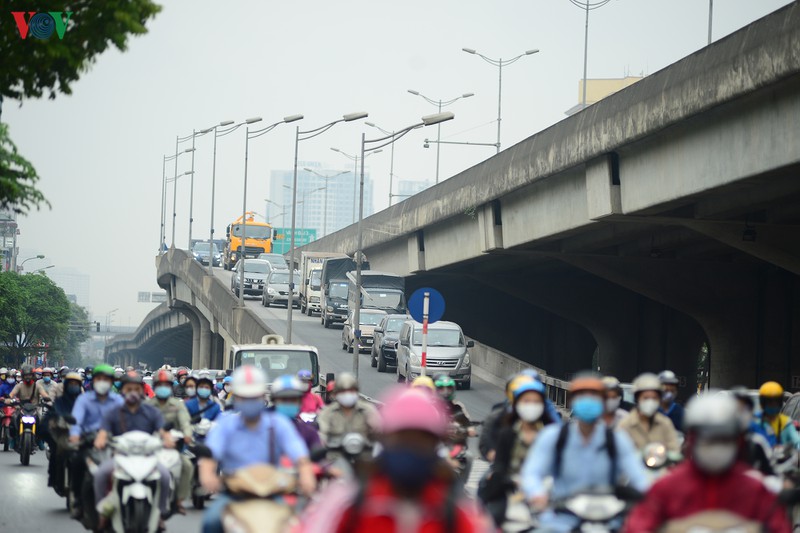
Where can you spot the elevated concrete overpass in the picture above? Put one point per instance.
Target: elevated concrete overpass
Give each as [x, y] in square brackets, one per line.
[164, 333]
[660, 219]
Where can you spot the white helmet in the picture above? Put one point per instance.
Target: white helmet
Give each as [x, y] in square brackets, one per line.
[3, 370]
[714, 415]
[647, 382]
[249, 382]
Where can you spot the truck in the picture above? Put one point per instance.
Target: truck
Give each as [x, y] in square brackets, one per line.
[257, 238]
[276, 358]
[333, 307]
[379, 290]
[311, 280]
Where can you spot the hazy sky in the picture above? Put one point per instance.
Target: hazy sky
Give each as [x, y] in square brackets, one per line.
[99, 152]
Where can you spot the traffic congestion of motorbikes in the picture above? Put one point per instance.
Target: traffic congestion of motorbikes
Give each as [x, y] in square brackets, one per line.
[129, 448]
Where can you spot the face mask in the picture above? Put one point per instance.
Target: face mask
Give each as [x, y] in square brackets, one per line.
[408, 469]
[669, 397]
[714, 457]
[347, 399]
[11, 380]
[250, 408]
[74, 390]
[46, 379]
[289, 410]
[648, 407]
[772, 410]
[175, 383]
[163, 392]
[133, 398]
[529, 412]
[28, 381]
[102, 387]
[117, 385]
[204, 393]
[612, 404]
[587, 408]
[190, 392]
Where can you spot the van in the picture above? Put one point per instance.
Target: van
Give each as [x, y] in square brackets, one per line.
[447, 352]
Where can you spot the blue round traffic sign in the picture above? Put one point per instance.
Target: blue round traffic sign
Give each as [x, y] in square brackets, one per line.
[435, 304]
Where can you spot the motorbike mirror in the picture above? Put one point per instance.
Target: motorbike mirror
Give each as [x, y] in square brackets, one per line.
[789, 497]
[470, 344]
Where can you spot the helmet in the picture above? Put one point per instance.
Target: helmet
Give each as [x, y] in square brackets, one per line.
[743, 395]
[182, 372]
[103, 370]
[668, 377]
[444, 381]
[305, 375]
[163, 376]
[424, 382]
[714, 415]
[288, 386]
[64, 370]
[249, 382]
[227, 379]
[132, 377]
[413, 409]
[128, 368]
[73, 376]
[168, 368]
[26, 369]
[771, 389]
[220, 375]
[89, 370]
[118, 372]
[585, 382]
[3, 371]
[204, 376]
[37, 371]
[47, 370]
[346, 381]
[611, 383]
[514, 383]
[533, 385]
[646, 382]
[530, 372]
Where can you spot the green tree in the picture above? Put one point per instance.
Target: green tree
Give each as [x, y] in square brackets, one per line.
[78, 333]
[17, 178]
[37, 318]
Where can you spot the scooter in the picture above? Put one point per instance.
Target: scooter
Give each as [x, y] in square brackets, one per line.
[658, 460]
[94, 458]
[347, 450]
[598, 511]
[171, 459]
[132, 503]
[712, 522]
[265, 500]
[199, 494]
[6, 426]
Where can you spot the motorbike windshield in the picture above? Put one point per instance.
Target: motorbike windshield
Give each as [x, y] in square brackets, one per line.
[279, 362]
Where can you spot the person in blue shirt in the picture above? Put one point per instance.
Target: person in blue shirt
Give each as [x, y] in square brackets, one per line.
[245, 438]
[581, 455]
[87, 377]
[203, 404]
[89, 410]
[669, 405]
[7, 382]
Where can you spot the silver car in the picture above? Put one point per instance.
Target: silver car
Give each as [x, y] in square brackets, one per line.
[255, 276]
[447, 352]
[277, 289]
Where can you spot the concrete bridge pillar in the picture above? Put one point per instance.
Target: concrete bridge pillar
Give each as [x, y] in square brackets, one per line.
[203, 357]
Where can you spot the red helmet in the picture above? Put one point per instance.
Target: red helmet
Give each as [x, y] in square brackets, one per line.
[182, 372]
[163, 376]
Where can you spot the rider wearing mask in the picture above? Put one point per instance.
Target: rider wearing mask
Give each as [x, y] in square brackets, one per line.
[348, 414]
[580, 455]
[48, 385]
[89, 410]
[756, 449]
[245, 438]
[669, 398]
[175, 413]
[777, 426]
[133, 415]
[72, 385]
[88, 372]
[408, 487]
[712, 478]
[7, 382]
[311, 403]
[287, 394]
[179, 390]
[189, 388]
[613, 413]
[644, 424]
[203, 404]
[27, 391]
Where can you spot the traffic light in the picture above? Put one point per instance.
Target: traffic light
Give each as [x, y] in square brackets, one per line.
[97, 325]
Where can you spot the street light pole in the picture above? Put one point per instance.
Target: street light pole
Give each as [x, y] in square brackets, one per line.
[380, 143]
[355, 175]
[327, 178]
[304, 136]
[500, 63]
[710, 18]
[587, 5]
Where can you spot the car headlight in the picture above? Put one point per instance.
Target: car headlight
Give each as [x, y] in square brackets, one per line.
[329, 309]
[270, 291]
[233, 257]
[466, 360]
[415, 360]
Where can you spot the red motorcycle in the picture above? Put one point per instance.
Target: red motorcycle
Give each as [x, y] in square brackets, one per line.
[7, 412]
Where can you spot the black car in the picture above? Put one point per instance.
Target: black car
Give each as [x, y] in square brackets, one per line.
[385, 336]
[200, 252]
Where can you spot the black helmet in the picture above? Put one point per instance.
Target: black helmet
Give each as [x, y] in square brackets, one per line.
[89, 369]
[132, 377]
[26, 369]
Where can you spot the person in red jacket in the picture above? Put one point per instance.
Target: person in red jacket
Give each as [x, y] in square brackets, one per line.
[408, 488]
[713, 478]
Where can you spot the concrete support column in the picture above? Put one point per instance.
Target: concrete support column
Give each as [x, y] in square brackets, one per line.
[204, 346]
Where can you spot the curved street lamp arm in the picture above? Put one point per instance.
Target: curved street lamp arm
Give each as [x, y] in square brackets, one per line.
[310, 134]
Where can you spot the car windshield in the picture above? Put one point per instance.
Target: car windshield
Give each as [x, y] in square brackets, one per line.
[370, 319]
[393, 325]
[202, 247]
[382, 299]
[316, 279]
[279, 362]
[258, 267]
[277, 260]
[252, 232]
[440, 337]
[283, 277]
[338, 290]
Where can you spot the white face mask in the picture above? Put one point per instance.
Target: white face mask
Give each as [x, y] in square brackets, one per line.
[347, 399]
[648, 407]
[714, 457]
[190, 392]
[612, 404]
[530, 412]
[102, 387]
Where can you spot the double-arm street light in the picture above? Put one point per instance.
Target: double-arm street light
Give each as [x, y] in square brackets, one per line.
[327, 178]
[373, 145]
[253, 135]
[440, 104]
[175, 197]
[304, 136]
[391, 162]
[587, 5]
[354, 158]
[500, 63]
[163, 233]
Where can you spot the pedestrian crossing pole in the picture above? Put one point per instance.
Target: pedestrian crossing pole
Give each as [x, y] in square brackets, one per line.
[425, 304]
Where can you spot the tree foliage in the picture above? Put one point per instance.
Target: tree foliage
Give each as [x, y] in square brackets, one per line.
[17, 178]
[32, 67]
[78, 333]
[36, 315]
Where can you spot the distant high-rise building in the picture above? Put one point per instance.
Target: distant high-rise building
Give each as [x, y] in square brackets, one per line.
[341, 191]
[74, 283]
[406, 188]
[598, 89]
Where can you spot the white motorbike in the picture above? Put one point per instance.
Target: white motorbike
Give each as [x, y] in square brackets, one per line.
[598, 511]
[133, 501]
[170, 458]
[658, 460]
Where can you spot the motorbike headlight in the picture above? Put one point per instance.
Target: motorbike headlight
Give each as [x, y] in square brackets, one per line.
[353, 443]
[655, 455]
[28, 419]
[466, 360]
[415, 360]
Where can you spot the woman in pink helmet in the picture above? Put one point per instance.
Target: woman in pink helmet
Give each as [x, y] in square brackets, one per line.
[408, 487]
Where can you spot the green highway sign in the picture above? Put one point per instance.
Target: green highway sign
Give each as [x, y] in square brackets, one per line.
[283, 238]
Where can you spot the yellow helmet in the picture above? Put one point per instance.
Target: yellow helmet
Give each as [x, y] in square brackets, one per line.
[515, 383]
[424, 382]
[771, 389]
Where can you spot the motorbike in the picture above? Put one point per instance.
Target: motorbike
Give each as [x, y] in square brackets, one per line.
[59, 430]
[93, 458]
[28, 420]
[598, 511]
[658, 460]
[171, 459]
[458, 451]
[346, 451]
[712, 522]
[199, 494]
[132, 503]
[265, 500]
[6, 426]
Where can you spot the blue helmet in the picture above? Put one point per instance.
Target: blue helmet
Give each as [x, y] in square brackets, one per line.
[535, 386]
[288, 386]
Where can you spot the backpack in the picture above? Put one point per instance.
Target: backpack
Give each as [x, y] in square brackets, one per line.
[610, 446]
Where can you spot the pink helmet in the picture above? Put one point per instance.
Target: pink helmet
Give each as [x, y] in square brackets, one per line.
[413, 409]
